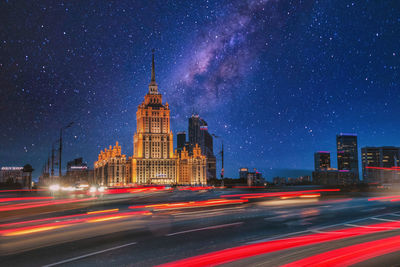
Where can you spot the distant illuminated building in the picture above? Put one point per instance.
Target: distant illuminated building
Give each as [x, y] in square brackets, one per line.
[255, 178]
[16, 176]
[251, 178]
[198, 134]
[279, 180]
[322, 160]
[11, 175]
[381, 164]
[347, 152]
[334, 177]
[192, 168]
[180, 141]
[77, 171]
[243, 173]
[110, 168]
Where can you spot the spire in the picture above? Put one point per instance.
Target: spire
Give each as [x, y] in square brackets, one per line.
[153, 73]
[153, 87]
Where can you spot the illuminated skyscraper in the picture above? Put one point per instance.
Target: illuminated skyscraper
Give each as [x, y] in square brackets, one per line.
[347, 152]
[198, 134]
[322, 160]
[153, 161]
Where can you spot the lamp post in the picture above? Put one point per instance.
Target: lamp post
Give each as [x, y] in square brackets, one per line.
[222, 158]
[60, 148]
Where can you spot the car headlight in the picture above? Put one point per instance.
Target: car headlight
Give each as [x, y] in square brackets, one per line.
[54, 187]
[92, 189]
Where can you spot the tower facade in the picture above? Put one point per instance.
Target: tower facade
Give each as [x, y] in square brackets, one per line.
[109, 169]
[153, 161]
[180, 140]
[322, 160]
[347, 152]
[198, 134]
[192, 168]
[380, 164]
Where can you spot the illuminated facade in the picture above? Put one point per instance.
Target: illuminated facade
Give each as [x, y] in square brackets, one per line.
[153, 161]
[110, 168]
[380, 164]
[198, 134]
[192, 168]
[322, 160]
[347, 152]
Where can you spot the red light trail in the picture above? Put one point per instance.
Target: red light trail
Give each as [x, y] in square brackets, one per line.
[191, 204]
[42, 204]
[9, 199]
[350, 255]
[281, 194]
[87, 217]
[241, 252]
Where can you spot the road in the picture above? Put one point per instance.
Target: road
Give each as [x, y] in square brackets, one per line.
[239, 228]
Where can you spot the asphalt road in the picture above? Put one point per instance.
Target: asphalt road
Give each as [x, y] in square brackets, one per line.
[169, 234]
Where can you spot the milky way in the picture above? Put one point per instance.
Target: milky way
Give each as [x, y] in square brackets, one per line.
[226, 51]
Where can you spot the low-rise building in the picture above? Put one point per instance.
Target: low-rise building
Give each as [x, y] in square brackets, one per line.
[110, 168]
[192, 169]
[279, 180]
[16, 176]
[381, 164]
[334, 177]
[77, 172]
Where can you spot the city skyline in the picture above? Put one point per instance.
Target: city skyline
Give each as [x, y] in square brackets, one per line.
[286, 99]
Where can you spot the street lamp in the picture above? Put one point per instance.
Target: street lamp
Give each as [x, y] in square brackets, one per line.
[222, 157]
[60, 149]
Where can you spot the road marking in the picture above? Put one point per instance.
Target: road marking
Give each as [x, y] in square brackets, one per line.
[205, 228]
[317, 229]
[325, 232]
[372, 209]
[277, 237]
[337, 224]
[394, 214]
[386, 220]
[88, 255]
[371, 227]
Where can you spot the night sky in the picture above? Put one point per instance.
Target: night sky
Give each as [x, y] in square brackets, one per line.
[277, 79]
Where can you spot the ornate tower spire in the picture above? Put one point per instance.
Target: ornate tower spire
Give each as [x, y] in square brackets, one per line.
[153, 73]
[153, 87]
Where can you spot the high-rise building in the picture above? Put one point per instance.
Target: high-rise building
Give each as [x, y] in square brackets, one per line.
[153, 161]
[380, 164]
[198, 134]
[109, 169]
[322, 160]
[180, 140]
[347, 152]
